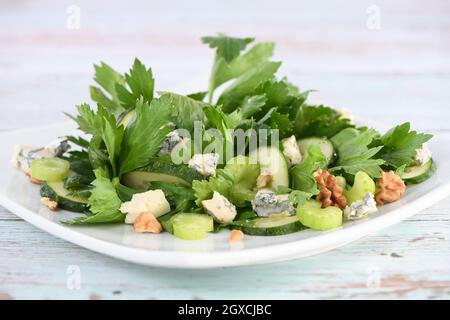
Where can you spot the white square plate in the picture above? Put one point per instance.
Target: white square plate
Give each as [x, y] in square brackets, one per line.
[22, 198]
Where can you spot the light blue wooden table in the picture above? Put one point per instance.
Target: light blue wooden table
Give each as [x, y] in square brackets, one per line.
[398, 72]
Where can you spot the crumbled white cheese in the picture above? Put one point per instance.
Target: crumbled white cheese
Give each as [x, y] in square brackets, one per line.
[423, 155]
[220, 208]
[291, 151]
[171, 141]
[362, 208]
[205, 164]
[58, 146]
[24, 154]
[345, 114]
[266, 202]
[152, 201]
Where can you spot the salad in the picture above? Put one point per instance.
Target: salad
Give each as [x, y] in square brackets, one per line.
[248, 154]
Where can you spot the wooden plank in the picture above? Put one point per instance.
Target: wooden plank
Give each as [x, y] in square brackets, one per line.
[409, 260]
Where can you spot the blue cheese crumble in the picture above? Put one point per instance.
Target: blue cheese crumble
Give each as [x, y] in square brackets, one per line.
[360, 209]
[172, 140]
[220, 208]
[291, 151]
[205, 164]
[266, 202]
[423, 155]
[24, 154]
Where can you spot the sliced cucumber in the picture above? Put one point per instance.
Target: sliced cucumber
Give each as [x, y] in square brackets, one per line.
[57, 192]
[161, 169]
[192, 226]
[272, 160]
[363, 184]
[419, 174]
[275, 225]
[50, 169]
[320, 219]
[325, 145]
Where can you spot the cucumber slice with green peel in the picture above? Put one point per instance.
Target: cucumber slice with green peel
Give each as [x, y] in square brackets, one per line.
[161, 169]
[192, 226]
[419, 174]
[275, 225]
[50, 169]
[272, 160]
[325, 145]
[140, 180]
[66, 201]
[363, 184]
[320, 219]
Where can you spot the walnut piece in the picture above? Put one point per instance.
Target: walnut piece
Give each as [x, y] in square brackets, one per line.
[264, 179]
[331, 193]
[49, 203]
[390, 188]
[236, 235]
[146, 222]
[33, 180]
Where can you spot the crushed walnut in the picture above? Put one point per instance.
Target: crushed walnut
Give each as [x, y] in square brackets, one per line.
[49, 203]
[331, 193]
[33, 180]
[236, 235]
[390, 188]
[264, 179]
[146, 222]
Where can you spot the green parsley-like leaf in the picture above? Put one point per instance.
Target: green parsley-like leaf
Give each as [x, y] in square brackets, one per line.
[227, 48]
[401, 144]
[143, 138]
[354, 154]
[319, 121]
[204, 189]
[104, 203]
[141, 83]
[87, 120]
[107, 78]
[246, 84]
[298, 198]
[224, 71]
[186, 110]
[252, 105]
[302, 174]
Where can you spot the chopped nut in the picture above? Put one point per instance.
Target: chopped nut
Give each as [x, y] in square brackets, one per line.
[236, 235]
[146, 222]
[390, 188]
[52, 205]
[33, 180]
[264, 179]
[331, 193]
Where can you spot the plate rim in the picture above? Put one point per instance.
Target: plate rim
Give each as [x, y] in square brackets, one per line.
[205, 260]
